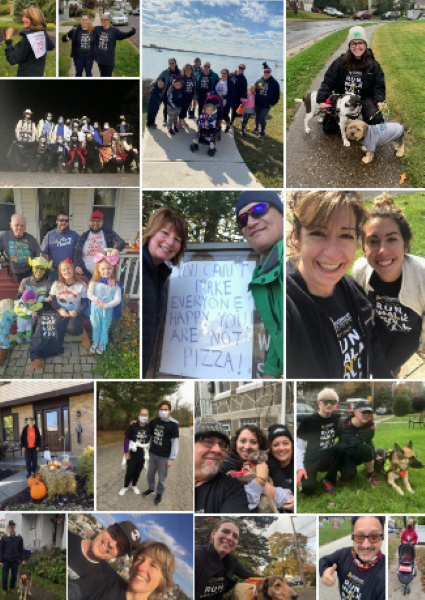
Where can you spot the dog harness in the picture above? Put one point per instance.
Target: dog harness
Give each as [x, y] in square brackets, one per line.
[388, 468]
[253, 581]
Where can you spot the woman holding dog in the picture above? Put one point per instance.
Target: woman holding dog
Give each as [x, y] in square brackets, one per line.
[355, 72]
[138, 432]
[394, 282]
[330, 333]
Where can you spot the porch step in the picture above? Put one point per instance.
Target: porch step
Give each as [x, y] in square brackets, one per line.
[19, 463]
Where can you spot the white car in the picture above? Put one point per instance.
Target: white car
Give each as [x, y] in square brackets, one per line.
[119, 18]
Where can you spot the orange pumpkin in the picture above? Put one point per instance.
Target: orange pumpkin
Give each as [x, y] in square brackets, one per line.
[31, 480]
[38, 490]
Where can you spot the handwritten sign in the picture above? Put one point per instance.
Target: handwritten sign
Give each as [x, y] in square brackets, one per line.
[209, 324]
[38, 43]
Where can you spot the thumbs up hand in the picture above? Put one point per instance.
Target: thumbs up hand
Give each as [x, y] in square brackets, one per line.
[328, 577]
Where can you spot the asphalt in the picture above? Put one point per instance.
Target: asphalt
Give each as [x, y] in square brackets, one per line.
[304, 31]
[178, 495]
[13, 485]
[22, 179]
[325, 592]
[316, 160]
[168, 162]
[394, 586]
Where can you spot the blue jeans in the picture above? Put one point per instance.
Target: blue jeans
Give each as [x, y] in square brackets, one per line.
[5, 572]
[260, 117]
[83, 63]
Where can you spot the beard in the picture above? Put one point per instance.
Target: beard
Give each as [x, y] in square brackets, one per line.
[210, 470]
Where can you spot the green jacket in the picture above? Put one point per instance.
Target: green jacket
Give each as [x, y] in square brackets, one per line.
[214, 81]
[24, 310]
[267, 290]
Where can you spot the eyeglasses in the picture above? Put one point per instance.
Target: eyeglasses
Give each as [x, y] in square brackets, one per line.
[63, 220]
[207, 67]
[372, 537]
[209, 443]
[355, 44]
[241, 68]
[256, 212]
[327, 401]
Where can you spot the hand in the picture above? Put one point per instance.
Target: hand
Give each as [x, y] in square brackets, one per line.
[63, 313]
[67, 38]
[271, 105]
[131, 423]
[23, 562]
[379, 105]
[99, 303]
[34, 313]
[169, 463]
[9, 32]
[19, 139]
[79, 270]
[328, 576]
[289, 504]
[1, 564]
[115, 252]
[74, 28]
[262, 471]
[379, 458]
[373, 427]
[127, 455]
[300, 474]
[325, 107]
[72, 313]
[37, 449]
[23, 448]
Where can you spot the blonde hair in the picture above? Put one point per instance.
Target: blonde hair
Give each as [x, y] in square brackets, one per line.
[146, 409]
[328, 393]
[38, 22]
[165, 558]
[252, 89]
[188, 66]
[97, 275]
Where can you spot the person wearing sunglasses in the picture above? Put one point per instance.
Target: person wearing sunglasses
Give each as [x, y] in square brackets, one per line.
[206, 81]
[241, 89]
[259, 216]
[106, 38]
[355, 72]
[215, 492]
[167, 76]
[360, 568]
[267, 94]
[58, 244]
[316, 449]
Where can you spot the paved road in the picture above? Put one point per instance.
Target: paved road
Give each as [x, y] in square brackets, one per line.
[18, 179]
[178, 495]
[394, 586]
[303, 31]
[325, 592]
[135, 22]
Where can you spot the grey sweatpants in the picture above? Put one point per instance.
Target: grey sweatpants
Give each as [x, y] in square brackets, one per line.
[157, 463]
[260, 118]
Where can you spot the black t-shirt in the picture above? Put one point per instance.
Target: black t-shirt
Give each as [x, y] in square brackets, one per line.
[108, 587]
[222, 494]
[162, 434]
[205, 84]
[354, 82]
[349, 335]
[188, 87]
[319, 433]
[80, 565]
[137, 433]
[83, 43]
[355, 584]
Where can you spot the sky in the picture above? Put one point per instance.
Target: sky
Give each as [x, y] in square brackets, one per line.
[186, 392]
[304, 525]
[249, 28]
[174, 530]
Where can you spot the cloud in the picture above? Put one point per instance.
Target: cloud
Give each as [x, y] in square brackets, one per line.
[184, 570]
[157, 532]
[276, 21]
[255, 11]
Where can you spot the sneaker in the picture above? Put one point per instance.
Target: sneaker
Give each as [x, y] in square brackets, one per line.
[100, 349]
[164, 124]
[122, 491]
[20, 340]
[171, 132]
[176, 129]
[255, 131]
[135, 489]
[329, 487]
[227, 129]
[158, 499]
[262, 136]
[93, 348]
[148, 493]
[372, 479]
[243, 132]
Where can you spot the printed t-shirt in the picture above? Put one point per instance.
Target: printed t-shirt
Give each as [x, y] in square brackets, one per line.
[319, 433]
[69, 296]
[94, 244]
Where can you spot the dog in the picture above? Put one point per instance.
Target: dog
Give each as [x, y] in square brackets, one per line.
[273, 587]
[266, 505]
[24, 585]
[376, 135]
[344, 107]
[396, 463]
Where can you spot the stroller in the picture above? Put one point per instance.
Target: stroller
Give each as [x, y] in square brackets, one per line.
[406, 566]
[208, 135]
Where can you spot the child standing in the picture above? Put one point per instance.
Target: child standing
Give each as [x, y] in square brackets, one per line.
[138, 431]
[174, 104]
[154, 103]
[105, 294]
[25, 309]
[248, 107]
[189, 86]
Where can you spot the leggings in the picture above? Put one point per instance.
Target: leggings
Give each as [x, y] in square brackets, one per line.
[83, 63]
[362, 454]
[260, 117]
[330, 461]
[134, 467]
[245, 119]
[100, 324]
[106, 70]
[172, 116]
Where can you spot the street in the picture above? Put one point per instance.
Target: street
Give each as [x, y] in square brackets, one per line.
[325, 592]
[303, 31]
[135, 22]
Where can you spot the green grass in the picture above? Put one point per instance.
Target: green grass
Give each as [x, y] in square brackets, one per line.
[394, 47]
[358, 496]
[127, 60]
[7, 70]
[70, 23]
[264, 157]
[58, 589]
[305, 15]
[328, 534]
[393, 545]
[105, 438]
[64, 57]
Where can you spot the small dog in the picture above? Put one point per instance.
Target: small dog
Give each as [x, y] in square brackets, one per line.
[396, 463]
[275, 587]
[266, 505]
[344, 107]
[372, 136]
[24, 585]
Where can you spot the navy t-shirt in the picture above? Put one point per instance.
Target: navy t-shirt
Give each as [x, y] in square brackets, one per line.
[59, 246]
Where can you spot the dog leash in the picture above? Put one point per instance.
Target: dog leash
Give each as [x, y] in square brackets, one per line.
[384, 110]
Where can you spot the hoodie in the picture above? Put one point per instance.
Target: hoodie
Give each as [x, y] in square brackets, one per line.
[23, 55]
[267, 92]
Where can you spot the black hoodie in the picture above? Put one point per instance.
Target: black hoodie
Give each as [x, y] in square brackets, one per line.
[311, 343]
[267, 92]
[23, 55]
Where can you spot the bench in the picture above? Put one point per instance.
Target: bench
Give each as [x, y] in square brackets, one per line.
[418, 421]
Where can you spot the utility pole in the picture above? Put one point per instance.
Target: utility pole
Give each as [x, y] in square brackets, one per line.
[300, 562]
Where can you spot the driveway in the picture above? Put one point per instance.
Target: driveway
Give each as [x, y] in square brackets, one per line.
[304, 31]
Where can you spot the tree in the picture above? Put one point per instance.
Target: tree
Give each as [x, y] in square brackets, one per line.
[282, 548]
[18, 7]
[418, 403]
[401, 405]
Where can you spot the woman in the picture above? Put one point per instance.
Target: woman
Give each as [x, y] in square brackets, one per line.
[46, 127]
[137, 432]
[30, 52]
[281, 462]
[167, 75]
[215, 562]
[329, 329]
[82, 46]
[189, 87]
[106, 38]
[267, 94]
[61, 129]
[394, 282]
[164, 239]
[225, 88]
[355, 72]
[241, 89]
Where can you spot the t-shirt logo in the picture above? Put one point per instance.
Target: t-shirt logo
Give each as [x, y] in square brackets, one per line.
[19, 252]
[158, 435]
[85, 41]
[103, 41]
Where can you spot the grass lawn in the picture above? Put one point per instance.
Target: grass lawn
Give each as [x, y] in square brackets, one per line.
[64, 57]
[393, 545]
[358, 496]
[109, 437]
[264, 157]
[328, 534]
[420, 553]
[7, 70]
[58, 589]
[394, 48]
[305, 15]
[127, 60]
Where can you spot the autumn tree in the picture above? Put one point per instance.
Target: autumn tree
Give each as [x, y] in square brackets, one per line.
[284, 553]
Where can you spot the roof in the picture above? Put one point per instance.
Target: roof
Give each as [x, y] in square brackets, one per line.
[15, 393]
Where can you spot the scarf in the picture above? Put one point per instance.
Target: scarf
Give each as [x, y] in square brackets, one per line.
[364, 566]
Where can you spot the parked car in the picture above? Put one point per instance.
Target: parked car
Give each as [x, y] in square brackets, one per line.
[352, 402]
[135, 12]
[119, 18]
[344, 410]
[295, 581]
[389, 16]
[333, 12]
[304, 410]
[384, 410]
[362, 15]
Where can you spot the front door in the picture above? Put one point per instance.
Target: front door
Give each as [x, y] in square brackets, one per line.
[52, 429]
[51, 202]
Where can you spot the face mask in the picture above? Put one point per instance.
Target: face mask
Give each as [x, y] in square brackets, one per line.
[74, 139]
[163, 414]
[60, 121]
[122, 119]
[96, 126]
[42, 140]
[106, 126]
[84, 122]
[67, 123]
[143, 419]
[49, 118]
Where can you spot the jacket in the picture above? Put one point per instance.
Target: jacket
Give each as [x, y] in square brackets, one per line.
[24, 439]
[154, 304]
[26, 129]
[409, 536]
[23, 55]
[272, 96]
[167, 75]
[66, 133]
[267, 290]
[334, 81]
[312, 349]
[40, 131]
[112, 240]
[214, 81]
[412, 292]
[351, 436]
[11, 548]
[127, 128]
[73, 35]
[241, 86]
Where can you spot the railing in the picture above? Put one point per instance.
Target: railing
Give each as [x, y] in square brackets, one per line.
[129, 268]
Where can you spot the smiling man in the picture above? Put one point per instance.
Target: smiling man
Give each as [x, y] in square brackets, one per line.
[259, 216]
[19, 246]
[58, 244]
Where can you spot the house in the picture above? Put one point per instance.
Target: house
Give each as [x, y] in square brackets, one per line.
[38, 530]
[61, 410]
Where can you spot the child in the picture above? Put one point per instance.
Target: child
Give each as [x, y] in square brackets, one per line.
[7, 316]
[189, 87]
[105, 294]
[69, 299]
[39, 281]
[25, 309]
[174, 104]
[248, 107]
[137, 432]
[207, 122]
[154, 102]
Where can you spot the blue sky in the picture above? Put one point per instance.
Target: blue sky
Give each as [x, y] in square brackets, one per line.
[250, 28]
[174, 530]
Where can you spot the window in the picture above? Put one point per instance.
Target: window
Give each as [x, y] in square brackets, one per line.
[52, 421]
[206, 408]
[65, 419]
[227, 425]
[8, 428]
[40, 426]
[223, 386]
[105, 200]
[250, 421]
[32, 521]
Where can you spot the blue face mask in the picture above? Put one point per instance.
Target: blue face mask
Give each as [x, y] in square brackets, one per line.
[143, 419]
[84, 122]
[60, 121]
[96, 126]
[49, 118]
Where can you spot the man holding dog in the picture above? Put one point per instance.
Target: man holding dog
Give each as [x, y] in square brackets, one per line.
[11, 556]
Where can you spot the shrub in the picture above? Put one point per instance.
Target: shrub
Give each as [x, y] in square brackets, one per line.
[86, 468]
[418, 404]
[4, 10]
[49, 563]
[401, 405]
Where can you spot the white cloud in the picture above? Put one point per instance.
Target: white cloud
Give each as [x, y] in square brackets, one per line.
[276, 21]
[158, 533]
[276, 35]
[255, 11]
[184, 570]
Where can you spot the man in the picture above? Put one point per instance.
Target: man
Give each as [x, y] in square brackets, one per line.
[59, 244]
[11, 556]
[125, 131]
[315, 447]
[19, 246]
[215, 492]
[409, 535]
[206, 80]
[360, 568]
[30, 442]
[163, 449]
[259, 216]
[241, 89]
[356, 433]
[92, 242]
[267, 94]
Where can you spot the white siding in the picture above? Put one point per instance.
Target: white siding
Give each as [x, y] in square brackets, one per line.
[80, 202]
[26, 389]
[42, 534]
[29, 208]
[127, 218]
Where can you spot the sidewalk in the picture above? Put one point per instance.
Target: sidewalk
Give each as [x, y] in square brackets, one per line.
[332, 593]
[13, 485]
[169, 163]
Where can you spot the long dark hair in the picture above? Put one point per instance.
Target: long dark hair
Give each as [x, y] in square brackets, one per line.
[350, 62]
[261, 438]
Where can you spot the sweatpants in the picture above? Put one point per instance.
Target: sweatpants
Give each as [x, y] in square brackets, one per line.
[105, 70]
[157, 463]
[134, 467]
[362, 454]
[330, 461]
[260, 117]
[31, 459]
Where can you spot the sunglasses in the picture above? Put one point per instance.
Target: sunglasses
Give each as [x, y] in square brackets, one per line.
[207, 67]
[63, 220]
[372, 537]
[267, 71]
[256, 212]
[241, 68]
[326, 401]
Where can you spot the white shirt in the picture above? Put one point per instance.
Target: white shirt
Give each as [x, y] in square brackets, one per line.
[94, 244]
[221, 89]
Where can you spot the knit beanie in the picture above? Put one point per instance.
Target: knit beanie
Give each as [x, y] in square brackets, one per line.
[246, 198]
[278, 430]
[205, 426]
[28, 295]
[357, 33]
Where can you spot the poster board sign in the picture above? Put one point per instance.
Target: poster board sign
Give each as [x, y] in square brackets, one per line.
[38, 43]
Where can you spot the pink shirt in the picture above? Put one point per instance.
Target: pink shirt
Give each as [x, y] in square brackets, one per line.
[248, 102]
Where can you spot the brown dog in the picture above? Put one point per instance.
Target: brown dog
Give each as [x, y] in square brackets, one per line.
[396, 464]
[275, 587]
[358, 131]
[24, 585]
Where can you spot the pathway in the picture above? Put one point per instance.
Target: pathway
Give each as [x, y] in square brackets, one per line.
[332, 593]
[394, 586]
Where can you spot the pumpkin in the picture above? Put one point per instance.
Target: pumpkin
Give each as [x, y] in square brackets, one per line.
[38, 490]
[31, 480]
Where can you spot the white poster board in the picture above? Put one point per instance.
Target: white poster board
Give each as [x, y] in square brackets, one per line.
[38, 43]
[209, 325]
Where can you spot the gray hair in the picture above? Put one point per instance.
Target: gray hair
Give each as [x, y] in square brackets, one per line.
[328, 393]
[18, 216]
